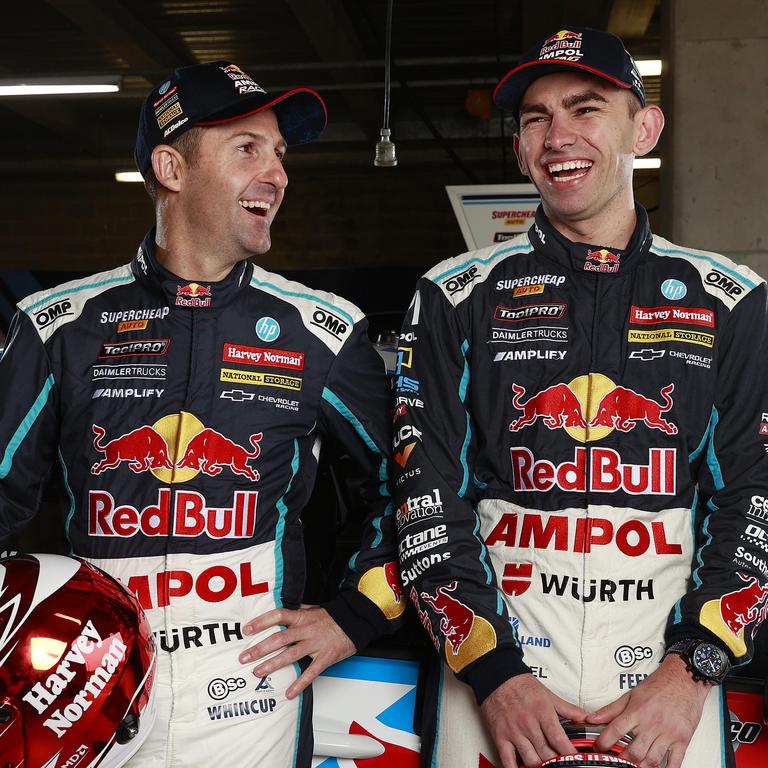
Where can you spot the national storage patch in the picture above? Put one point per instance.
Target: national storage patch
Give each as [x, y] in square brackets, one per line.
[672, 334]
[234, 376]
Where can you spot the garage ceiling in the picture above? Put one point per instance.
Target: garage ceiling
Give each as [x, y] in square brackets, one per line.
[442, 50]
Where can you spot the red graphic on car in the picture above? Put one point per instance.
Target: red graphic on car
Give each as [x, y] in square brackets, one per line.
[622, 408]
[209, 451]
[557, 405]
[457, 620]
[741, 607]
[143, 448]
[392, 576]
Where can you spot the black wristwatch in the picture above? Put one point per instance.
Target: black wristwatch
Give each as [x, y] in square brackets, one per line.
[704, 660]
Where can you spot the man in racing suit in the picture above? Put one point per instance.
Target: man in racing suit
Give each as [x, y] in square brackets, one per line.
[185, 397]
[580, 469]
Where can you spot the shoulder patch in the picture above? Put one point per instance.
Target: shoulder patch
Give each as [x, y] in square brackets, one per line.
[327, 316]
[51, 309]
[720, 277]
[457, 277]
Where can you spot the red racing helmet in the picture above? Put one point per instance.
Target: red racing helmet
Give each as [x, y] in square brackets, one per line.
[77, 666]
[583, 737]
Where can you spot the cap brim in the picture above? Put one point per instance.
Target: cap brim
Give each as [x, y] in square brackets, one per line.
[512, 87]
[301, 113]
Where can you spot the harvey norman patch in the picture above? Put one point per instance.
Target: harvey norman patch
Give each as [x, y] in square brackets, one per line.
[692, 315]
[260, 379]
[671, 334]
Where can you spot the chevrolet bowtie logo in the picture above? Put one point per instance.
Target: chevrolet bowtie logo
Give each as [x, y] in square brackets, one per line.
[647, 354]
[237, 395]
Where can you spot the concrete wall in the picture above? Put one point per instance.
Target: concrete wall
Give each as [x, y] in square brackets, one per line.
[715, 94]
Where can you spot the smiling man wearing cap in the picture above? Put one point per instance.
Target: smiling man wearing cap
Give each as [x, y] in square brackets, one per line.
[584, 406]
[185, 397]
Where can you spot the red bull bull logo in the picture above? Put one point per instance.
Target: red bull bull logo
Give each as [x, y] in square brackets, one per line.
[193, 295]
[466, 635]
[565, 45]
[145, 449]
[562, 406]
[209, 451]
[744, 606]
[457, 619]
[381, 585]
[604, 261]
[392, 576]
[563, 34]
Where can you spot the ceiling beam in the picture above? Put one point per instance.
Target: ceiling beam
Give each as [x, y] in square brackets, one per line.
[630, 18]
[118, 30]
[331, 33]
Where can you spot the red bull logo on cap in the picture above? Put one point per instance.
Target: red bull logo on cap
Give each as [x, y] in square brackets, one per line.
[146, 449]
[564, 45]
[604, 261]
[193, 295]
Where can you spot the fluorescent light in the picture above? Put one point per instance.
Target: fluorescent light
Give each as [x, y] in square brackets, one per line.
[646, 162]
[129, 176]
[649, 67]
[58, 86]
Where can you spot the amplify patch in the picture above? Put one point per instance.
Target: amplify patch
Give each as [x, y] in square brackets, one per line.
[671, 334]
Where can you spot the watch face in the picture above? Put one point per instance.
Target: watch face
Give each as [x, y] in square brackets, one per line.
[709, 660]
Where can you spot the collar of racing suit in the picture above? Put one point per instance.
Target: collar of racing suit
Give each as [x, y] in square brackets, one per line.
[588, 256]
[180, 292]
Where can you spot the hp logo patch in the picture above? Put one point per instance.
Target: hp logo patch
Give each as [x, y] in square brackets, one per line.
[267, 329]
[674, 290]
[164, 87]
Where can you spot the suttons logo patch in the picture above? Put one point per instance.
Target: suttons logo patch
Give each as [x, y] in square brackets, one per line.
[194, 448]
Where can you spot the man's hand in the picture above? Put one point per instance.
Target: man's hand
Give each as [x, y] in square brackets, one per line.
[310, 631]
[523, 718]
[661, 713]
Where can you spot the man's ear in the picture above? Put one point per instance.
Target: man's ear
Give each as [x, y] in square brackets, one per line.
[169, 167]
[649, 123]
[520, 159]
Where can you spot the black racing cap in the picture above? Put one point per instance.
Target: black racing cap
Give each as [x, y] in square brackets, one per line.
[217, 92]
[578, 48]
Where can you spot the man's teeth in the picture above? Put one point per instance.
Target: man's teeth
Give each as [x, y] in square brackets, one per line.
[571, 165]
[255, 204]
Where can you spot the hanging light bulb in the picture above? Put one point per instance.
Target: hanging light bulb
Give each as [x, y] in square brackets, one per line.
[386, 156]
